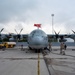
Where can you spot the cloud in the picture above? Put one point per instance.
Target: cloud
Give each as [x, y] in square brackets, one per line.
[9, 9]
[24, 13]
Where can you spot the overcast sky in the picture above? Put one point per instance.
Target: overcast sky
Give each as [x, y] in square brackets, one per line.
[17, 14]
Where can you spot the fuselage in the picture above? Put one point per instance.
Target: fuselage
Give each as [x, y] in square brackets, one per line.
[37, 39]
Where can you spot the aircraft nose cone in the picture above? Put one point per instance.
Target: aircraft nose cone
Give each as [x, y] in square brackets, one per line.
[38, 40]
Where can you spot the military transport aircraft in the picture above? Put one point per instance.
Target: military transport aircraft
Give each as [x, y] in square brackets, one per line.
[38, 39]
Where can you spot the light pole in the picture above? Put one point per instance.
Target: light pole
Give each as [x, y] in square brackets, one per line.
[52, 22]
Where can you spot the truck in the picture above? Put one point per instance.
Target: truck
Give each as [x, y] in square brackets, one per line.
[7, 45]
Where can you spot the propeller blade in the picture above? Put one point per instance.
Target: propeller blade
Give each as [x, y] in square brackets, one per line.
[59, 32]
[73, 31]
[16, 31]
[55, 32]
[21, 30]
[2, 29]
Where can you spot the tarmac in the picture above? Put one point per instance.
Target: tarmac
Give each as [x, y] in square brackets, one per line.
[16, 62]
[60, 64]
[13, 61]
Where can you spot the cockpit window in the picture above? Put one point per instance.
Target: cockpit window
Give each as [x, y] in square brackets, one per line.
[37, 33]
[32, 33]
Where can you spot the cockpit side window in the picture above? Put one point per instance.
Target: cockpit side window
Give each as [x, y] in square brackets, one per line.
[32, 33]
[37, 33]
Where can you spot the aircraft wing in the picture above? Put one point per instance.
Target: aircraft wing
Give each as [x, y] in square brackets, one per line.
[60, 36]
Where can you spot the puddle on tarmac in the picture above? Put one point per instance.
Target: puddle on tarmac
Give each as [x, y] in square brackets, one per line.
[63, 66]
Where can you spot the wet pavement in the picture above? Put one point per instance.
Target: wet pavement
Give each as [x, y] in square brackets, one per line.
[62, 64]
[17, 62]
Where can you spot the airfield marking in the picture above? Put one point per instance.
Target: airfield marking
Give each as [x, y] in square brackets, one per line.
[38, 66]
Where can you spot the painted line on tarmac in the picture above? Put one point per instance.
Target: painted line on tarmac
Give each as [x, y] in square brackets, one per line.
[38, 65]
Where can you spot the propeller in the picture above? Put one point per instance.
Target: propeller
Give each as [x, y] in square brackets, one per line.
[18, 34]
[1, 31]
[21, 31]
[73, 31]
[16, 31]
[57, 34]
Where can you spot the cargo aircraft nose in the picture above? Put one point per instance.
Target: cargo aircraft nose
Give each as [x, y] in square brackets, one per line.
[37, 40]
